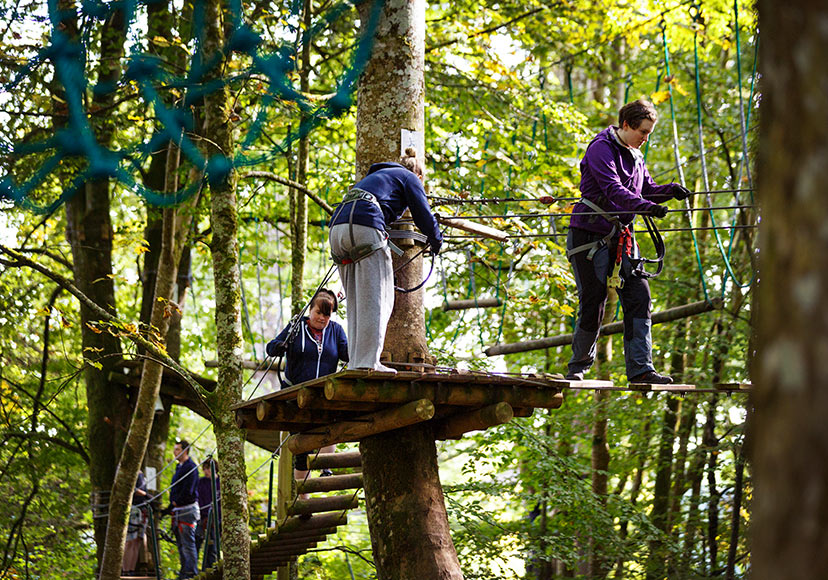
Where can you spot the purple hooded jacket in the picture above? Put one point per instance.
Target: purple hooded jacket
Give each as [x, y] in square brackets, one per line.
[615, 179]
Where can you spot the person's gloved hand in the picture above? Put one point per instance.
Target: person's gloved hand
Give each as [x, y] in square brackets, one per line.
[680, 192]
[167, 511]
[435, 246]
[276, 348]
[658, 211]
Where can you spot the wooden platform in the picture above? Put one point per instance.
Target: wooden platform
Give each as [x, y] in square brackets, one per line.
[352, 404]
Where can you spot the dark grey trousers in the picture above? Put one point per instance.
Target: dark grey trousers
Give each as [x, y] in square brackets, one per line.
[591, 280]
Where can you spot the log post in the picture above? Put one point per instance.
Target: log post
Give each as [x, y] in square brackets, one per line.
[379, 422]
[453, 427]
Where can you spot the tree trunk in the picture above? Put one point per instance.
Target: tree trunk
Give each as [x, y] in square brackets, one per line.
[790, 431]
[235, 535]
[142, 419]
[599, 565]
[89, 232]
[696, 472]
[661, 491]
[736, 516]
[711, 443]
[298, 200]
[404, 499]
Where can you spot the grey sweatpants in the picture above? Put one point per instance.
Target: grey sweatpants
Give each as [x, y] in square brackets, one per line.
[369, 291]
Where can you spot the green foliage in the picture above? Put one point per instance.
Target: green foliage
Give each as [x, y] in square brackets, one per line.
[502, 122]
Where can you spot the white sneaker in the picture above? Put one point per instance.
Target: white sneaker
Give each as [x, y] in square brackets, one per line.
[384, 369]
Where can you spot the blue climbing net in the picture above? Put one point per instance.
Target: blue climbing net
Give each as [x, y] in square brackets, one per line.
[68, 55]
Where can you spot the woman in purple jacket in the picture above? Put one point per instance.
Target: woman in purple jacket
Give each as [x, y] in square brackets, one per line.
[615, 186]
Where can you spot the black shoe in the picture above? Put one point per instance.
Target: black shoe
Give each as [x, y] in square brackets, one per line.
[652, 378]
[579, 376]
[326, 473]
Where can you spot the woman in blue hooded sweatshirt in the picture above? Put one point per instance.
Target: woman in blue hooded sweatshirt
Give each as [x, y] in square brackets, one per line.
[316, 347]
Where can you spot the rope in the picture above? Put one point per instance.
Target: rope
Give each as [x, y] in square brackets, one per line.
[697, 22]
[122, 165]
[678, 158]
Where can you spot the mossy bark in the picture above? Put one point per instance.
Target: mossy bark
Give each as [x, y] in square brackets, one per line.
[235, 535]
[406, 511]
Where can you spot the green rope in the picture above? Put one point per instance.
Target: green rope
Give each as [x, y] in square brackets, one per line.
[658, 85]
[678, 157]
[702, 157]
[743, 122]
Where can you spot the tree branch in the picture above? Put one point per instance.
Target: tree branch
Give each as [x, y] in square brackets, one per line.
[21, 260]
[28, 436]
[290, 183]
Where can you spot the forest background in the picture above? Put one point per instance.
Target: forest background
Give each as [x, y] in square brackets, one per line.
[607, 486]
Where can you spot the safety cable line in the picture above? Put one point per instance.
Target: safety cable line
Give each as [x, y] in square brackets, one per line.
[697, 79]
[563, 234]
[151, 499]
[590, 213]
[551, 199]
[742, 120]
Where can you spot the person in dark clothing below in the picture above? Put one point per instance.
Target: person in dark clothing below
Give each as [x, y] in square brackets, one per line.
[184, 509]
[137, 526]
[207, 535]
[314, 351]
[359, 247]
[615, 186]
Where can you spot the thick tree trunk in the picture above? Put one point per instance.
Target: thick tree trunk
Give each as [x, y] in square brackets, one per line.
[89, 232]
[790, 431]
[404, 498]
[235, 535]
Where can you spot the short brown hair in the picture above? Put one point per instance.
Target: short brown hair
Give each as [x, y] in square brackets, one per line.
[635, 112]
[410, 161]
[325, 300]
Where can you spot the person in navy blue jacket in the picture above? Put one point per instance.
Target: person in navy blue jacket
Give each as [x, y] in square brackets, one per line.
[360, 249]
[314, 351]
[184, 509]
[317, 346]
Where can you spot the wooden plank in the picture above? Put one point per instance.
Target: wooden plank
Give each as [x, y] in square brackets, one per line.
[386, 420]
[466, 394]
[308, 398]
[468, 304]
[330, 483]
[342, 460]
[316, 521]
[454, 426]
[473, 228]
[317, 505]
[676, 388]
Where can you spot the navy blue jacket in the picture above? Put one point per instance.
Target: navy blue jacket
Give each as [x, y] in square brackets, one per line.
[396, 188]
[184, 484]
[305, 361]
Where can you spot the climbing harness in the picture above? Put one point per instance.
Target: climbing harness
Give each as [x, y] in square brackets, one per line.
[626, 245]
[357, 253]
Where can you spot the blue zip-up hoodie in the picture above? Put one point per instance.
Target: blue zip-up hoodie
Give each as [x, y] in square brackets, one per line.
[305, 359]
[616, 179]
[396, 188]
